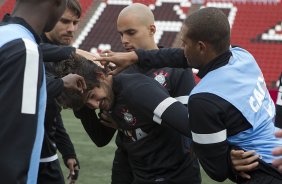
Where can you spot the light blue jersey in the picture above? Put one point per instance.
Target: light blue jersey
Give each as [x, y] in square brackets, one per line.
[29, 105]
[241, 83]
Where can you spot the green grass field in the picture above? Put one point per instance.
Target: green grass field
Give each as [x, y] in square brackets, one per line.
[96, 163]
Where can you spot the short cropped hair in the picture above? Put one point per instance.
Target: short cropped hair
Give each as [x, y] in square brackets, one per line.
[209, 25]
[75, 7]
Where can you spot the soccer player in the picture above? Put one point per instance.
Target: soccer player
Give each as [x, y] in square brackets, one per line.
[23, 88]
[143, 145]
[219, 115]
[55, 136]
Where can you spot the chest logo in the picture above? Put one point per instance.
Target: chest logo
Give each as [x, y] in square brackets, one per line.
[128, 117]
[160, 76]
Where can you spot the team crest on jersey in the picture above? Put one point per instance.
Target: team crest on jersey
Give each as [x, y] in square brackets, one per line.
[128, 117]
[160, 76]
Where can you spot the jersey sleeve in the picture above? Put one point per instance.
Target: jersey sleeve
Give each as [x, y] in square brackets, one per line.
[99, 134]
[209, 138]
[55, 53]
[54, 85]
[164, 57]
[148, 97]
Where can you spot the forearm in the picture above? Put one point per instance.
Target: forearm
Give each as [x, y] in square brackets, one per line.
[62, 139]
[54, 86]
[99, 134]
[165, 57]
[215, 163]
[54, 53]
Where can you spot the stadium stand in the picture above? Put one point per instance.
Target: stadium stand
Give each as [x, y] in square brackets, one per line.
[256, 25]
[6, 7]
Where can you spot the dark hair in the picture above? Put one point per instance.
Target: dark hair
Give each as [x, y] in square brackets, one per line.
[75, 6]
[209, 25]
[83, 67]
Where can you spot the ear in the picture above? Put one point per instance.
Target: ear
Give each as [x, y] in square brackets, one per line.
[202, 46]
[152, 29]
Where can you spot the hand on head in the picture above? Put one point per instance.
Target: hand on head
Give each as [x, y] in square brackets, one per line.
[74, 81]
[121, 59]
[88, 55]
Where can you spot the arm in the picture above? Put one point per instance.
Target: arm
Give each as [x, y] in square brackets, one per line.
[99, 134]
[54, 53]
[54, 86]
[165, 57]
[160, 105]
[63, 141]
[66, 148]
[210, 136]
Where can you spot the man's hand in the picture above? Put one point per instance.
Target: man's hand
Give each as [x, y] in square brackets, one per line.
[74, 81]
[244, 161]
[88, 55]
[107, 120]
[121, 59]
[278, 152]
[74, 170]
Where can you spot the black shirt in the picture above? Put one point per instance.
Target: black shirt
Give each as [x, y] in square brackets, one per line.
[155, 151]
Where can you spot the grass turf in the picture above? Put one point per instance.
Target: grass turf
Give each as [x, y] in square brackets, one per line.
[96, 163]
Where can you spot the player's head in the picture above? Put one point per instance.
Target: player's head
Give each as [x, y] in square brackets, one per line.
[135, 25]
[98, 95]
[41, 15]
[63, 32]
[205, 35]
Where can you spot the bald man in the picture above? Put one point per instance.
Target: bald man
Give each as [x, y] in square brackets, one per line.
[148, 152]
[219, 116]
[23, 88]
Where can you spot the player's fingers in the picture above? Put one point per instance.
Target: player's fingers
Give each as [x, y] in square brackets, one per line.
[245, 161]
[236, 153]
[244, 175]
[248, 153]
[248, 167]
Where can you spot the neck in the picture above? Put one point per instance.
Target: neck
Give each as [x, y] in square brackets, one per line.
[152, 46]
[34, 21]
